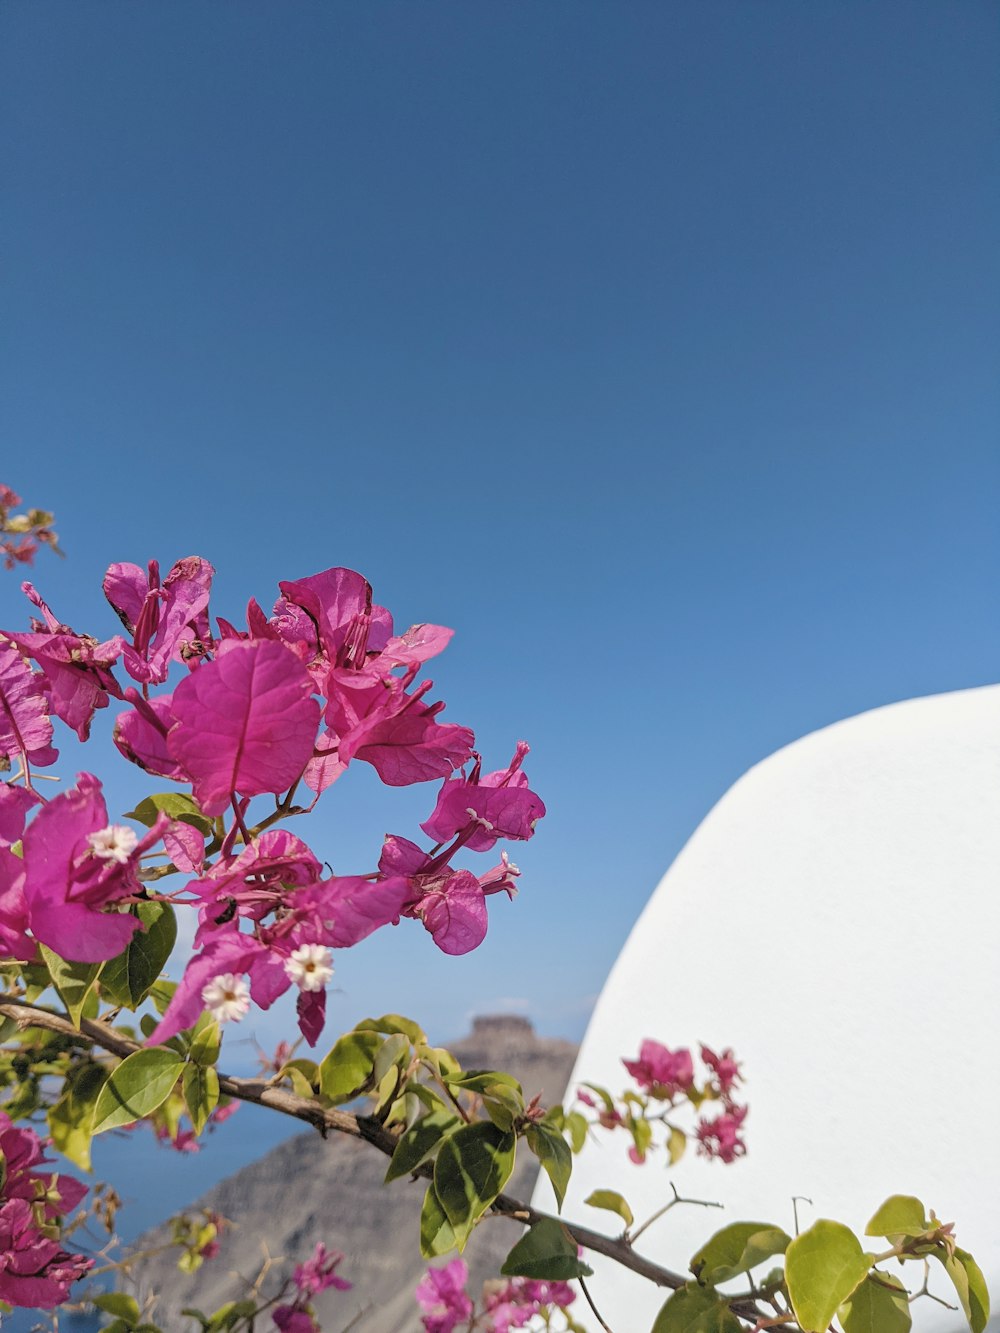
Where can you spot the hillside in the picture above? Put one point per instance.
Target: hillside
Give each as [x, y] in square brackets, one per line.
[308, 1190]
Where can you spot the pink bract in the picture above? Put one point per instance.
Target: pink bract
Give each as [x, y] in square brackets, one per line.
[245, 722]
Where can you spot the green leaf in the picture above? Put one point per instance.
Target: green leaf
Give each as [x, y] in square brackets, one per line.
[694, 1309]
[130, 977]
[142, 1082]
[118, 1303]
[546, 1251]
[471, 1169]
[390, 1024]
[736, 1249]
[486, 1082]
[71, 1117]
[177, 805]
[552, 1150]
[577, 1128]
[73, 981]
[303, 1076]
[437, 1235]
[206, 1043]
[419, 1141]
[900, 1215]
[347, 1070]
[200, 1084]
[612, 1202]
[879, 1305]
[969, 1283]
[676, 1145]
[822, 1268]
[391, 1055]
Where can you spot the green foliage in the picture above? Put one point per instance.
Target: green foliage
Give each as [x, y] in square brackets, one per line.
[694, 1309]
[73, 981]
[200, 1084]
[546, 1251]
[437, 1236]
[822, 1268]
[176, 804]
[347, 1071]
[879, 1305]
[900, 1215]
[130, 977]
[970, 1285]
[736, 1249]
[552, 1150]
[206, 1041]
[472, 1166]
[139, 1085]
[71, 1117]
[613, 1203]
[419, 1142]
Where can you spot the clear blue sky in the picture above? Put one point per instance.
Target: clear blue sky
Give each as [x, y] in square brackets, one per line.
[653, 346]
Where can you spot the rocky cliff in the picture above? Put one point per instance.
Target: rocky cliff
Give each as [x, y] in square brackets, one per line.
[309, 1189]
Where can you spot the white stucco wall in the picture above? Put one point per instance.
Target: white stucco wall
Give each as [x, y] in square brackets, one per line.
[836, 920]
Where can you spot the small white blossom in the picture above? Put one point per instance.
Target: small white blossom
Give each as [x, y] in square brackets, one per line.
[226, 997]
[114, 843]
[310, 966]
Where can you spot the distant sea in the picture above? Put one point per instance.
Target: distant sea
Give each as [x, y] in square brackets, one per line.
[156, 1182]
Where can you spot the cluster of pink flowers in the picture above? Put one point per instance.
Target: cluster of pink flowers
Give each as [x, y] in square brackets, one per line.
[506, 1305]
[669, 1077]
[34, 1269]
[315, 1275]
[291, 700]
[21, 534]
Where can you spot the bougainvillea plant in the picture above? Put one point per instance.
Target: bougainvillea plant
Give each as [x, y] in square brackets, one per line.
[249, 722]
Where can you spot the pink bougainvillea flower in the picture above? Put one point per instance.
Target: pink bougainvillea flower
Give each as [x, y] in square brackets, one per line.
[23, 1153]
[141, 735]
[485, 808]
[76, 667]
[338, 602]
[25, 725]
[246, 723]
[721, 1136]
[255, 882]
[662, 1072]
[317, 1273]
[35, 1272]
[377, 721]
[442, 1296]
[168, 622]
[230, 953]
[15, 803]
[293, 1319]
[76, 867]
[724, 1067]
[512, 1304]
[185, 846]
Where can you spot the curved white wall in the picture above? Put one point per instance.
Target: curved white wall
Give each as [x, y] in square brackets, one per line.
[836, 920]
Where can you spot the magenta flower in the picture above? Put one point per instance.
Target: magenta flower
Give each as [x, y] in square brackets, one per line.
[482, 809]
[77, 866]
[168, 622]
[514, 1303]
[660, 1071]
[35, 1272]
[724, 1067]
[25, 725]
[442, 1296]
[76, 667]
[317, 1273]
[721, 1136]
[293, 1319]
[141, 735]
[245, 722]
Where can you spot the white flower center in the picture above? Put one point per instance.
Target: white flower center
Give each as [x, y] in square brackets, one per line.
[114, 843]
[226, 997]
[310, 966]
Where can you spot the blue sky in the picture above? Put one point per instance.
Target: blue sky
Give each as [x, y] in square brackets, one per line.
[652, 346]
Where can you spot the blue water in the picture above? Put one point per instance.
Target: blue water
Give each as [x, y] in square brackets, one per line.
[156, 1182]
